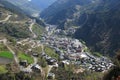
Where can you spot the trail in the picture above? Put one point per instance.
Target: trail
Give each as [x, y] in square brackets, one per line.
[15, 57]
[17, 22]
[87, 17]
[30, 28]
[7, 18]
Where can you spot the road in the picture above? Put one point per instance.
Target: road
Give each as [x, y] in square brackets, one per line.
[42, 48]
[87, 17]
[17, 22]
[7, 18]
[28, 68]
[49, 69]
[15, 57]
[30, 28]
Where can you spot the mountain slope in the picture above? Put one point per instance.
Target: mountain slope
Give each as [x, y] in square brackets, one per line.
[101, 30]
[63, 10]
[26, 6]
[15, 24]
[42, 4]
[98, 21]
[31, 7]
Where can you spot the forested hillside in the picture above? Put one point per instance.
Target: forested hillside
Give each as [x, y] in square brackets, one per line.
[97, 20]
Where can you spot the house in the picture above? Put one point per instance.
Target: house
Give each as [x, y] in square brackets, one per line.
[61, 57]
[83, 56]
[35, 55]
[36, 68]
[64, 63]
[51, 76]
[76, 43]
[51, 61]
[23, 63]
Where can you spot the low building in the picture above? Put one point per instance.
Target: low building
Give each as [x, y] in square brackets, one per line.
[51, 76]
[35, 55]
[51, 61]
[36, 68]
[23, 63]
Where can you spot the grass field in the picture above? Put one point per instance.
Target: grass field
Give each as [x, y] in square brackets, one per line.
[51, 52]
[23, 56]
[38, 30]
[3, 69]
[6, 54]
[37, 50]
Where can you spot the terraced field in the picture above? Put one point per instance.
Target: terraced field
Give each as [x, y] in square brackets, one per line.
[6, 54]
[23, 56]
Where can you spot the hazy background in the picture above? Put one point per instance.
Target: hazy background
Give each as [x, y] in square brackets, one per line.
[42, 4]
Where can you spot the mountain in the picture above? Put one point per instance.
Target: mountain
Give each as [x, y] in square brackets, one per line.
[101, 30]
[42, 4]
[64, 10]
[31, 7]
[14, 23]
[98, 21]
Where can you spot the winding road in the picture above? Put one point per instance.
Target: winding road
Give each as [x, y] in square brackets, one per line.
[5, 43]
[30, 28]
[7, 18]
[28, 68]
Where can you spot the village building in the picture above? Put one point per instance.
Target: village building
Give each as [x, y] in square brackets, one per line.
[36, 68]
[23, 63]
[51, 76]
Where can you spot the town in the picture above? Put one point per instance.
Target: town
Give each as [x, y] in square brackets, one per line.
[73, 51]
[68, 51]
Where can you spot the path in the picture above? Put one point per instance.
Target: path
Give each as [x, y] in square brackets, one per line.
[49, 69]
[28, 68]
[7, 18]
[17, 22]
[15, 57]
[87, 17]
[30, 28]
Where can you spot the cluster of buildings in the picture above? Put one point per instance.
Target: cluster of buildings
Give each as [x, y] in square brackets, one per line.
[70, 51]
[73, 51]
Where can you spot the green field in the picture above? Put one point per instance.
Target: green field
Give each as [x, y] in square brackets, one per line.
[37, 50]
[51, 52]
[38, 30]
[3, 69]
[23, 56]
[6, 54]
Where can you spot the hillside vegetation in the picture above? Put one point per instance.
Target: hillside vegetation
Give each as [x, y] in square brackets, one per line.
[97, 20]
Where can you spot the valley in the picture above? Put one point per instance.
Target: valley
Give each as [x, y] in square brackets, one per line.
[70, 40]
[54, 48]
